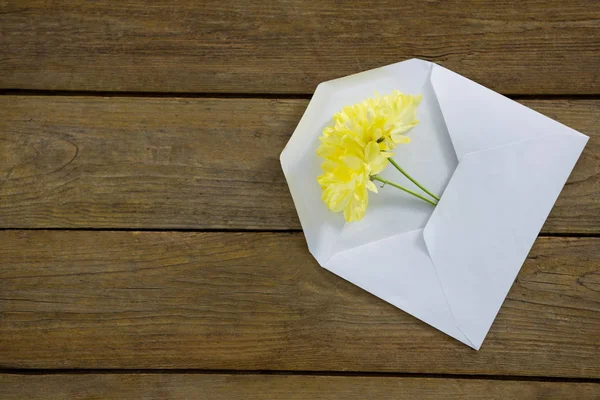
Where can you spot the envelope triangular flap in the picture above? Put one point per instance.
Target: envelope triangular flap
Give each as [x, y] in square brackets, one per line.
[513, 163]
[398, 270]
[478, 118]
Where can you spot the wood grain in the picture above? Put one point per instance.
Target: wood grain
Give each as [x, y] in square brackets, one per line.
[289, 46]
[296, 387]
[161, 163]
[258, 301]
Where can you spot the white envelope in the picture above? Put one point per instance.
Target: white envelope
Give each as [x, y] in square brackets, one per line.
[499, 166]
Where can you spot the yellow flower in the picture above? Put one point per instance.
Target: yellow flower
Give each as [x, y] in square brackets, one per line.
[346, 178]
[358, 146]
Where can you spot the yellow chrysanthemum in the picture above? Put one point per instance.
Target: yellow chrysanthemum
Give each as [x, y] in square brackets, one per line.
[358, 146]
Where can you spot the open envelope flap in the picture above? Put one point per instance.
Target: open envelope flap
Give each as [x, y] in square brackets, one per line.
[302, 166]
[513, 165]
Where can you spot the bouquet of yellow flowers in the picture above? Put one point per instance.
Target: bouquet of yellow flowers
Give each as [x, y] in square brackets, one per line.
[358, 147]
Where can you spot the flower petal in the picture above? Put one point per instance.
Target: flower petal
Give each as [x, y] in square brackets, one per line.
[372, 187]
[375, 158]
[353, 162]
[400, 139]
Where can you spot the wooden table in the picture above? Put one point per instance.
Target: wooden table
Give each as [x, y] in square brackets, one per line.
[149, 247]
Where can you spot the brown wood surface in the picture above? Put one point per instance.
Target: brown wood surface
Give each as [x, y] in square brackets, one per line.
[90, 162]
[118, 300]
[266, 387]
[526, 47]
[258, 301]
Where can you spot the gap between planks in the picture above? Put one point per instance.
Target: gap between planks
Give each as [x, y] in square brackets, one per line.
[238, 230]
[365, 374]
[233, 95]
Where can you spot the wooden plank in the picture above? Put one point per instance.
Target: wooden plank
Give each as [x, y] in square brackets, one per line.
[87, 162]
[526, 47]
[258, 301]
[290, 387]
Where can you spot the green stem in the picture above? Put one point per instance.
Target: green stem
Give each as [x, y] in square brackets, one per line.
[385, 181]
[399, 168]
